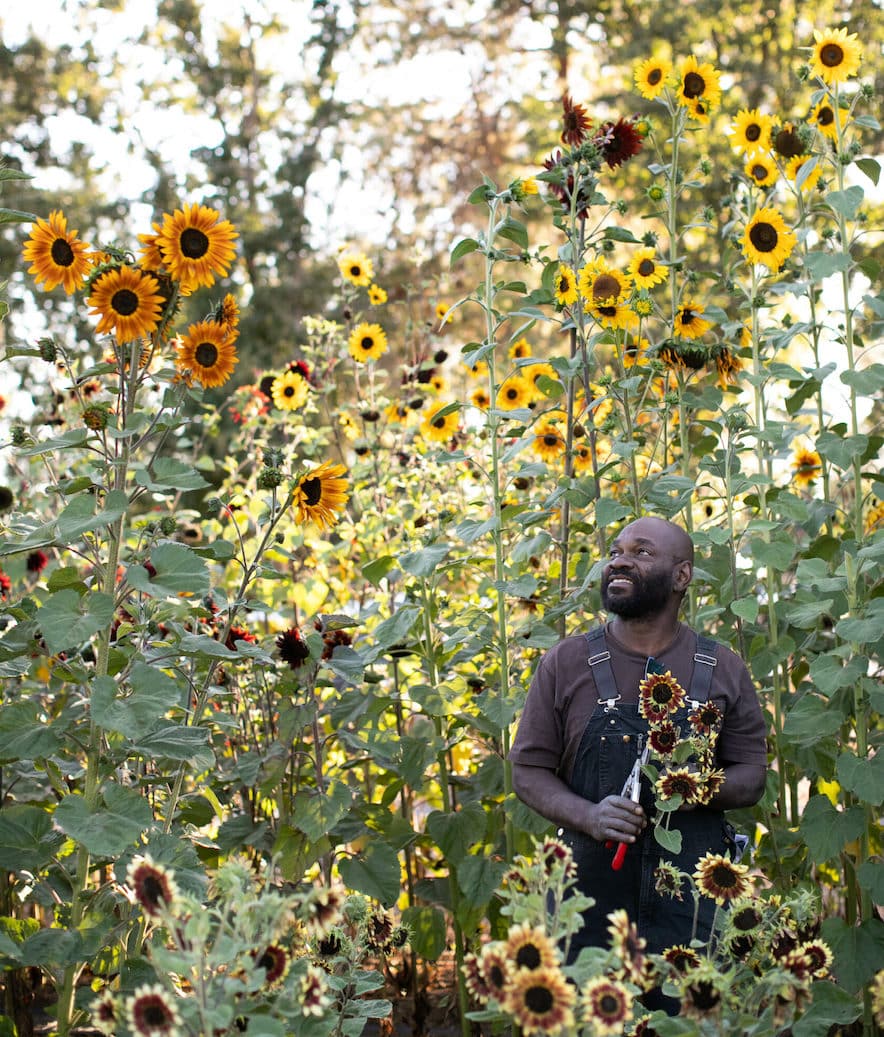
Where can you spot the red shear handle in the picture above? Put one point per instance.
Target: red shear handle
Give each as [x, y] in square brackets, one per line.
[619, 857]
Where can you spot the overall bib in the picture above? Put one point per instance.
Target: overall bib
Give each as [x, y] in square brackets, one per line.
[612, 739]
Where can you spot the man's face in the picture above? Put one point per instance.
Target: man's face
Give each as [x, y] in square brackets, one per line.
[638, 578]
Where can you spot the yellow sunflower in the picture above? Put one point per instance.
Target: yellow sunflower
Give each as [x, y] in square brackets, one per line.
[767, 240]
[367, 342]
[806, 466]
[356, 268]
[480, 398]
[689, 320]
[228, 312]
[290, 390]
[207, 353]
[151, 256]
[376, 295]
[534, 372]
[565, 286]
[824, 117]
[528, 947]
[582, 455]
[761, 170]
[196, 245]
[442, 314]
[750, 131]
[645, 270]
[56, 255]
[541, 1001]
[836, 55]
[436, 427]
[514, 393]
[602, 284]
[650, 77]
[614, 315]
[128, 301]
[438, 383]
[810, 177]
[479, 369]
[549, 440]
[520, 348]
[321, 494]
[698, 85]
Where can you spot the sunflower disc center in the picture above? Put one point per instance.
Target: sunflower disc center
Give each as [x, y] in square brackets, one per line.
[723, 877]
[367, 343]
[694, 85]
[194, 243]
[825, 117]
[753, 132]
[605, 286]
[62, 253]
[154, 1014]
[758, 172]
[528, 957]
[312, 490]
[831, 55]
[609, 1006]
[764, 237]
[539, 1000]
[206, 354]
[654, 76]
[124, 302]
[646, 267]
[289, 390]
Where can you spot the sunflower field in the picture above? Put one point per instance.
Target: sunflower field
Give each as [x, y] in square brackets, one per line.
[255, 725]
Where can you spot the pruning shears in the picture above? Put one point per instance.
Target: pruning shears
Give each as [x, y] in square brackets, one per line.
[632, 790]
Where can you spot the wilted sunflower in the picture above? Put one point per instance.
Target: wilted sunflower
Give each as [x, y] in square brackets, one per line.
[804, 171]
[660, 695]
[207, 353]
[516, 392]
[128, 302]
[56, 255]
[806, 466]
[275, 961]
[750, 131]
[541, 1001]
[650, 77]
[701, 991]
[528, 947]
[293, 649]
[549, 441]
[376, 295]
[668, 880]
[196, 244]
[786, 141]
[761, 170]
[689, 320]
[565, 286]
[367, 342]
[607, 1005]
[698, 85]
[437, 427]
[644, 269]
[680, 781]
[727, 364]
[822, 116]
[321, 494]
[720, 878]
[575, 122]
[290, 390]
[151, 1012]
[836, 55]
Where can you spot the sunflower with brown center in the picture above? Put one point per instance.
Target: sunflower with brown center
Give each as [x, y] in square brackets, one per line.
[679, 781]
[541, 1001]
[606, 1005]
[439, 427]
[650, 77]
[663, 738]
[806, 466]
[750, 131]
[575, 122]
[721, 879]
[836, 55]
[668, 880]
[153, 886]
[681, 958]
[528, 947]
[515, 393]
[565, 286]
[495, 970]
[367, 342]
[207, 353]
[275, 961]
[645, 270]
[290, 390]
[549, 440]
[320, 495]
[57, 256]
[480, 398]
[660, 695]
[196, 245]
[356, 268]
[761, 170]
[151, 1012]
[689, 320]
[698, 88]
[804, 171]
[128, 302]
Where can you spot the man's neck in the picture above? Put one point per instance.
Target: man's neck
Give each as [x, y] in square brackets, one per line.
[647, 636]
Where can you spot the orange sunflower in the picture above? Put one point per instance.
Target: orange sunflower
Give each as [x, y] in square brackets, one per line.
[207, 353]
[321, 494]
[196, 244]
[128, 301]
[56, 255]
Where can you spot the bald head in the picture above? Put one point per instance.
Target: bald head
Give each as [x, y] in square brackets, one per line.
[666, 535]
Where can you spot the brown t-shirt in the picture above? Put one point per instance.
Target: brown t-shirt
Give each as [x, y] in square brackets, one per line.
[563, 697]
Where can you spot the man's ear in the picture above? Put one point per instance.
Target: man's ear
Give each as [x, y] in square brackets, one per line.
[682, 575]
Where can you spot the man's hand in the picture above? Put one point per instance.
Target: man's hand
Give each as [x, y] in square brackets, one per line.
[616, 818]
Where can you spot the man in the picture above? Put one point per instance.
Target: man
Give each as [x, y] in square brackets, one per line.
[581, 732]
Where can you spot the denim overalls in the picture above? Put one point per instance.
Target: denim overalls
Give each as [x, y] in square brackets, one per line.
[614, 735]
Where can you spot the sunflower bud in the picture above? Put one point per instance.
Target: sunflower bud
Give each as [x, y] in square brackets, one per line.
[269, 478]
[48, 350]
[168, 525]
[656, 193]
[95, 418]
[18, 435]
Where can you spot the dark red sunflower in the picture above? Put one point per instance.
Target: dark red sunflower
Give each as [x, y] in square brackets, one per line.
[619, 141]
[575, 122]
[293, 648]
[37, 561]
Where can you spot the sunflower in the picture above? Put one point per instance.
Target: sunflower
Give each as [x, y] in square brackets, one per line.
[720, 878]
[698, 88]
[290, 390]
[150, 1012]
[320, 495]
[767, 240]
[519, 349]
[660, 695]
[681, 958]
[701, 991]
[628, 946]
[601, 284]
[104, 1014]
[227, 312]
[275, 961]
[528, 947]
[207, 353]
[806, 466]
[516, 392]
[442, 314]
[541, 1001]
[196, 245]
[824, 117]
[727, 363]
[376, 295]
[650, 77]
[565, 286]
[705, 718]
[57, 257]
[787, 142]
[292, 647]
[836, 55]
[810, 176]
[689, 320]
[575, 122]
[549, 442]
[679, 781]
[356, 268]
[367, 342]
[582, 459]
[663, 738]
[494, 968]
[480, 398]
[761, 170]
[153, 886]
[750, 131]
[607, 1005]
[820, 956]
[668, 880]
[127, 301]
[479, 369]
[619, 141]
[644, 269]
[635, 353]
[438, 383]
[534, 372]
[314, 996]
[437, 427]
[474, 980]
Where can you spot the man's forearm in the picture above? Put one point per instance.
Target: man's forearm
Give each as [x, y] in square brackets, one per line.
[743, 786]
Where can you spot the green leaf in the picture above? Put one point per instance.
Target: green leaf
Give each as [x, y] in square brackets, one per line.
[865, 777]
[456, 832]
[374, 872]
[829, 674]
[375, 570]
[423, 562]
[811, 719]
[27, 838]
[24, 734]
[806, 614]
[429, 931]
[81, 517]
[858, 950]
[620, 234]
[513, 230]
[827, 830]
[151, 694]
[177, 742]
[396, 628]
[821, 265]
[608, 511]
[317, 813]
[68, 618]
[668, 838]
[871, 168]
[463, 248]
[478, 877]
[869, 381]
[107, 832]
[871, 877]
[841, 451]
[746, 608]
[845, 202]
[168, 475]
[178, 572]
[831, 1007]
[863, 629]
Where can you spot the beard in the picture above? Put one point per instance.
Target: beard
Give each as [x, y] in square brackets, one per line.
[646, 597]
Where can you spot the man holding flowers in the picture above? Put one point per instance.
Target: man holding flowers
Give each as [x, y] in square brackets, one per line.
[643, 687]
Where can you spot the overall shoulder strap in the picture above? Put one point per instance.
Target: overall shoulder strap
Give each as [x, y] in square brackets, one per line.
[600, 660]
[705, 662]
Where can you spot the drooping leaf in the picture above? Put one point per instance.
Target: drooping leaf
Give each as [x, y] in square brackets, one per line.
[827, 830]
[454, 833]
[374, 872]
[423, 562]
[169, 475]
[478, 877]
[106, 831]
[317, 813]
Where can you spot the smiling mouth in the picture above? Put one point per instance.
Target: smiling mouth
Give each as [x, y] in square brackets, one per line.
[618, 580]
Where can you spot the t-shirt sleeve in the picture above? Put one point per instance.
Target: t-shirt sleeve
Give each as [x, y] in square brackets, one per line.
[539, 737]
[743, 737]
